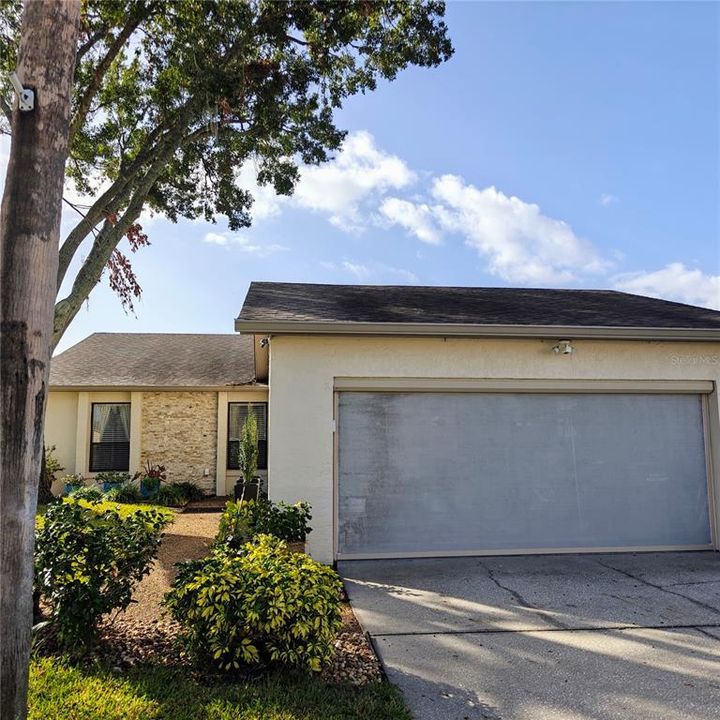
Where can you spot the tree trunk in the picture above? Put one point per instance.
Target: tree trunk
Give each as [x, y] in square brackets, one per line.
[29, 237]
[45, 483]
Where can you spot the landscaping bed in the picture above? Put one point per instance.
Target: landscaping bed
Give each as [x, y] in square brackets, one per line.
[137, 667]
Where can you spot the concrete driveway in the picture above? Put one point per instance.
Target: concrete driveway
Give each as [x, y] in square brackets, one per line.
[563, 637]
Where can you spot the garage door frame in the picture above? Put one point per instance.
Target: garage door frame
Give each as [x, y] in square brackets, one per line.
[709, 405]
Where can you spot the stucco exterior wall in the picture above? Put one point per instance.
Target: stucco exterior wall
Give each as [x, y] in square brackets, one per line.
[179, 431]
[61, 428]
[303, 371]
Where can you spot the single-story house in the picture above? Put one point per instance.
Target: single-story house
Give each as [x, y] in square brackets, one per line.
[119, 400]
[430, 421]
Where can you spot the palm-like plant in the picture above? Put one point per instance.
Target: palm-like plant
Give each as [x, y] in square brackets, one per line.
[248, 452]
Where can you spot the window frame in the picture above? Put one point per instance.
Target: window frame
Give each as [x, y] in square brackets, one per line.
[92, 444]
[262, 457]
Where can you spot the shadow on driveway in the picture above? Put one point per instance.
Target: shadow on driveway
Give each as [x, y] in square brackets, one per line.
[602, 637]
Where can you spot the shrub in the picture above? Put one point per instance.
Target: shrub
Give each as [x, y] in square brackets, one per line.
[126, 493]
[111, 478]
[248, 450]
[88, 561]
[169, 495]
[51, 467]
[73, 482]
[86, 493]
[263, 604]
[190, 491]
[241, 521]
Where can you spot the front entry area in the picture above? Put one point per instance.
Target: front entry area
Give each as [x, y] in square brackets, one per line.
[473, 473]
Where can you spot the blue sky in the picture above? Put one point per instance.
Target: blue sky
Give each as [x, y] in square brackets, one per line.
[565, 144]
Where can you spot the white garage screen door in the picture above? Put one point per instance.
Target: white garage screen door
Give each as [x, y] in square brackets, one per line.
[464, 472]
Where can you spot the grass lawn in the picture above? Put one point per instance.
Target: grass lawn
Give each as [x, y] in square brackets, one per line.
[61, 692]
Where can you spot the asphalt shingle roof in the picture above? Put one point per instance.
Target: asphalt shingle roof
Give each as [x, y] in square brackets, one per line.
[301, 303]
[155, 360]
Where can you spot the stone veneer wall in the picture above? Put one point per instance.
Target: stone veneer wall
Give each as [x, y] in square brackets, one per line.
[179, 431]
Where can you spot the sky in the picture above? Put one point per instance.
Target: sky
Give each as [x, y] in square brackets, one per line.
[564, 145]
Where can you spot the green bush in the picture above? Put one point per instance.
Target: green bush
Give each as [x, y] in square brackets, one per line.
[86, 493]
[190, 491]
[112, 477]
[169, 495]
[263, 604]
[72, 482]
[126, 493]
[241, 521]
[87, 562]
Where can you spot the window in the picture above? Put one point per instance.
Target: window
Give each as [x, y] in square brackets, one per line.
[110, 437]
[237, 414]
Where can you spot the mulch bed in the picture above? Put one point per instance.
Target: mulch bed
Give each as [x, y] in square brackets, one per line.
[143, 634]
[127, 643]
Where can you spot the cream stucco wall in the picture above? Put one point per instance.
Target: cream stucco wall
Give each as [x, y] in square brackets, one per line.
[303, 372]
[60, 430]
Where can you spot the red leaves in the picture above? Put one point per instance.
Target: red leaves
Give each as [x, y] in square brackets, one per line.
[136, 237]
[123, 281]
[122, 278]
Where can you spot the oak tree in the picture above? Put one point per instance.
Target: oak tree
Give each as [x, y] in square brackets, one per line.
[29, 236]
[171, 99]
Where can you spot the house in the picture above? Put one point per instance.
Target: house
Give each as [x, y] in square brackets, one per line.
[431, 421]
[119, 400]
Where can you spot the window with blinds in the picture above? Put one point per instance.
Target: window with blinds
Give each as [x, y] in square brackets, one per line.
[237, 414]
[110, 437]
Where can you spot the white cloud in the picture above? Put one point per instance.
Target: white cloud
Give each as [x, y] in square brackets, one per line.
[266, 203]
[674, 282]
[361, 272]
[360, 172]
[242, 243]
[375, 272]
[343, 189]
[608, 199]
[519, 243]
[417, 218]
[216, 238]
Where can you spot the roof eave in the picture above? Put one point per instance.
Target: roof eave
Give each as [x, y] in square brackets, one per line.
[476, 330]
[244, 387]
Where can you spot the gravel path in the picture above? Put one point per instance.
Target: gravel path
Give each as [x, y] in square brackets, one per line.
[187, 538]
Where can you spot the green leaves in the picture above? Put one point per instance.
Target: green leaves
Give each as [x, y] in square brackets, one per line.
[241, 521]
[264, 604]
[248, 452]
[88, 559]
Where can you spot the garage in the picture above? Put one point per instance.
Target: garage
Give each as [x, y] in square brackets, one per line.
[461, 473]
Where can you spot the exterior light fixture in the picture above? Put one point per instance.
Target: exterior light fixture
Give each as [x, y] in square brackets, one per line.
[563, 347]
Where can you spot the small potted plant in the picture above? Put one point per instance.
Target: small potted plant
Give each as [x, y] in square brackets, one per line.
[246, 488]
[152, 476]
[111, 480]
[73, 482]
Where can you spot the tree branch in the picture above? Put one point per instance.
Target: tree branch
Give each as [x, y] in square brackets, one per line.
[95, 83]
[106, 241]
[88, 45]
[120, 190]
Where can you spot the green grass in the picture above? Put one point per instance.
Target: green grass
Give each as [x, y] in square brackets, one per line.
[59, 691]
